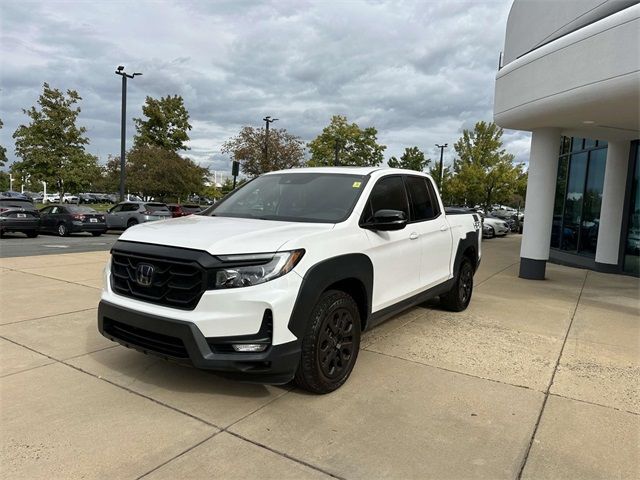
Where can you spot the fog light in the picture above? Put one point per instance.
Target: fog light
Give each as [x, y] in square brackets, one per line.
[250, 347]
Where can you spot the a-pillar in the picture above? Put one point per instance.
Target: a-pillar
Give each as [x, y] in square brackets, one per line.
[615, 179]
[541, 188]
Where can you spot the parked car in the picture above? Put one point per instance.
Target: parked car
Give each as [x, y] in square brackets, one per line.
[128, 214]
[87, 198]
[279, 279]
[51, 198]
[183, 210]
[497, 226]
[37, 198]
[12, 194]
[68, 198]
[18, 215]
[66, 219]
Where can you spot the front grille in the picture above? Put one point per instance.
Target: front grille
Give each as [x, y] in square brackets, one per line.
[145, 339]
[174, 283]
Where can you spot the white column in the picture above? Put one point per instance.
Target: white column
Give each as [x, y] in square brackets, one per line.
[615, 182]
[541, 189]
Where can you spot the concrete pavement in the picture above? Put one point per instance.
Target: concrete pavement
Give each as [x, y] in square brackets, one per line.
[534, 380]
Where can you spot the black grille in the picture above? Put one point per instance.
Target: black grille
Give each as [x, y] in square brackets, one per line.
[174, 283]
[145, 339]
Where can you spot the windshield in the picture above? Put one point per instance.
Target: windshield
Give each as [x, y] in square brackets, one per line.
[294, 197]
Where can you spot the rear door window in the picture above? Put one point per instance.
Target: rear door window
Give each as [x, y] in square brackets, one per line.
[420, 199]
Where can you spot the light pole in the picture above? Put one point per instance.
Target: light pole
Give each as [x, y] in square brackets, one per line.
[268, 120]
[123, 127]
[441, 147]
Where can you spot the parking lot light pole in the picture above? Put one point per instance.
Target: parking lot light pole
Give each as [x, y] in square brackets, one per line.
[441, 147]
[123, 127]
[267, 120]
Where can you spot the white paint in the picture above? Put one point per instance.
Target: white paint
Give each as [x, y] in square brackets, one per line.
[589, 74]
[56, 246]
[541, 186]
[615, 176]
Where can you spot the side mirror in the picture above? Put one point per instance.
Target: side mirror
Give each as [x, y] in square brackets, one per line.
[386, 220]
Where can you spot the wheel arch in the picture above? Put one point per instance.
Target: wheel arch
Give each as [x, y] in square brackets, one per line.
[352, 273]
[467, 248]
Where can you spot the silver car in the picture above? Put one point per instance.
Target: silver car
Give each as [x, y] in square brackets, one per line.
[126, 214]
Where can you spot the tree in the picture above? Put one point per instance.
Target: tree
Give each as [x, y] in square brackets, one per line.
[52, 146]
[355, 146]
[285, 150]
[160, 173]
[167, 124]
[484, 172]
[411, 159]
[3, 150]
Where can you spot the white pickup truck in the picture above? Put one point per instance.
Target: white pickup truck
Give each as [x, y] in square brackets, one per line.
[278, 280]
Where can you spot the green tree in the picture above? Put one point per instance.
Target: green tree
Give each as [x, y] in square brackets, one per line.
[51, 146]
[285, 150]
[109, 178]
[484, 172]
[355, 146]
[166, 124]
[412, 159]
[3, 150]
[4, 181]
[162, 173]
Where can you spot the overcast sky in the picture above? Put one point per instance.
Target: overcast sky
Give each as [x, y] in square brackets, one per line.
[419, 71]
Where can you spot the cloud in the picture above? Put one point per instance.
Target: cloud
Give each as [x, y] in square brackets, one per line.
[418, 71]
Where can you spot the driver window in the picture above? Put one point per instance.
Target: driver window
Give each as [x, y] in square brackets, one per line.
[387, 194]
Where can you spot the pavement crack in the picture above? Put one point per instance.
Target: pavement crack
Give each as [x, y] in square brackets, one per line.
[553, 375]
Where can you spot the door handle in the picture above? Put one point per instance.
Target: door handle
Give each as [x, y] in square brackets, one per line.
[444, 228]
[413, 236]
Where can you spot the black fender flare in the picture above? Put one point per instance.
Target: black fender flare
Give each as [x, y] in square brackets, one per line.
[318, 278]
[470, 241]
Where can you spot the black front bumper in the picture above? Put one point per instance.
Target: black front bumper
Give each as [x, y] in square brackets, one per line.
[182, 342]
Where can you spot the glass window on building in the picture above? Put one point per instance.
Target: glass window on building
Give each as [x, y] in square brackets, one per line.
[632, 240]
[578, 201]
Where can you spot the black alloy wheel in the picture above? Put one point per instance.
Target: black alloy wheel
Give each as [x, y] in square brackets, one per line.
[457, 299]
[330, 344]
[335, 343]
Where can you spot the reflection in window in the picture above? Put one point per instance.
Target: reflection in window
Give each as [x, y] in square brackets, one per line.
[632, 241]
[573, 202]
[592, 203]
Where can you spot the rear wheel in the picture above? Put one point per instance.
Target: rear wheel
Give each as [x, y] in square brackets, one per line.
[63, 231]
[96, 234]
[331, 343]
[458, 298]
[131, 223]
[32, 234]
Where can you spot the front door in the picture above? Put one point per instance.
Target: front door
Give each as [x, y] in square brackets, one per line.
[395, 254]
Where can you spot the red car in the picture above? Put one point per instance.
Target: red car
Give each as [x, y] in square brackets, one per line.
[183, 210]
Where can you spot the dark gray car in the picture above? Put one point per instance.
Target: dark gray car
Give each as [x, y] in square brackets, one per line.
[127, 214]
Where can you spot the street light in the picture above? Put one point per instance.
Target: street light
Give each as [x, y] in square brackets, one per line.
[123, 128]
[441, 147]
[267, 120]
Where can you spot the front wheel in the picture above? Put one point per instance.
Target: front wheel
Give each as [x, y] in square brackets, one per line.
[458, 298]
[96, 234]
[331, 343]
[63, 231]
[131, 223]
[32, 233]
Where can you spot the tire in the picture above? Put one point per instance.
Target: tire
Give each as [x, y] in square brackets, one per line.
[457, 299]
[62, 230]
[493, 232]
[131, 223]
[96, 234]
[32, 234]
[325, 363]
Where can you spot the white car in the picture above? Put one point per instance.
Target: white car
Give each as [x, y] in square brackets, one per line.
[51, 198]
[68, 198]
[496, 227]
[278, 280]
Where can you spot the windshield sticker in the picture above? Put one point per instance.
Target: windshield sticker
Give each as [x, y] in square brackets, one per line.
[356, 184]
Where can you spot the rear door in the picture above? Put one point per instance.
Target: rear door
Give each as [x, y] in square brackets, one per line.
[433, 230]
[395, 254]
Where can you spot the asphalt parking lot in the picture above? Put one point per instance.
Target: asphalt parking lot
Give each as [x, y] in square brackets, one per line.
[534, 380]
[18, 245]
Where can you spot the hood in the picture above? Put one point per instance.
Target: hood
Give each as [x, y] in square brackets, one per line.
[221, 235]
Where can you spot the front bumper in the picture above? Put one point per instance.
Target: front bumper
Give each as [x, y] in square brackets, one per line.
[182, 342]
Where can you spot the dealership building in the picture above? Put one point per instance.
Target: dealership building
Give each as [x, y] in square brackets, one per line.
[570, 74]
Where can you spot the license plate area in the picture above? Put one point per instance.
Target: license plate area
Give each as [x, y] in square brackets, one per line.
[21, 215]
[93, 220]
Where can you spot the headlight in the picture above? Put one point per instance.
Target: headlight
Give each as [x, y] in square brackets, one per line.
[253, 269]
